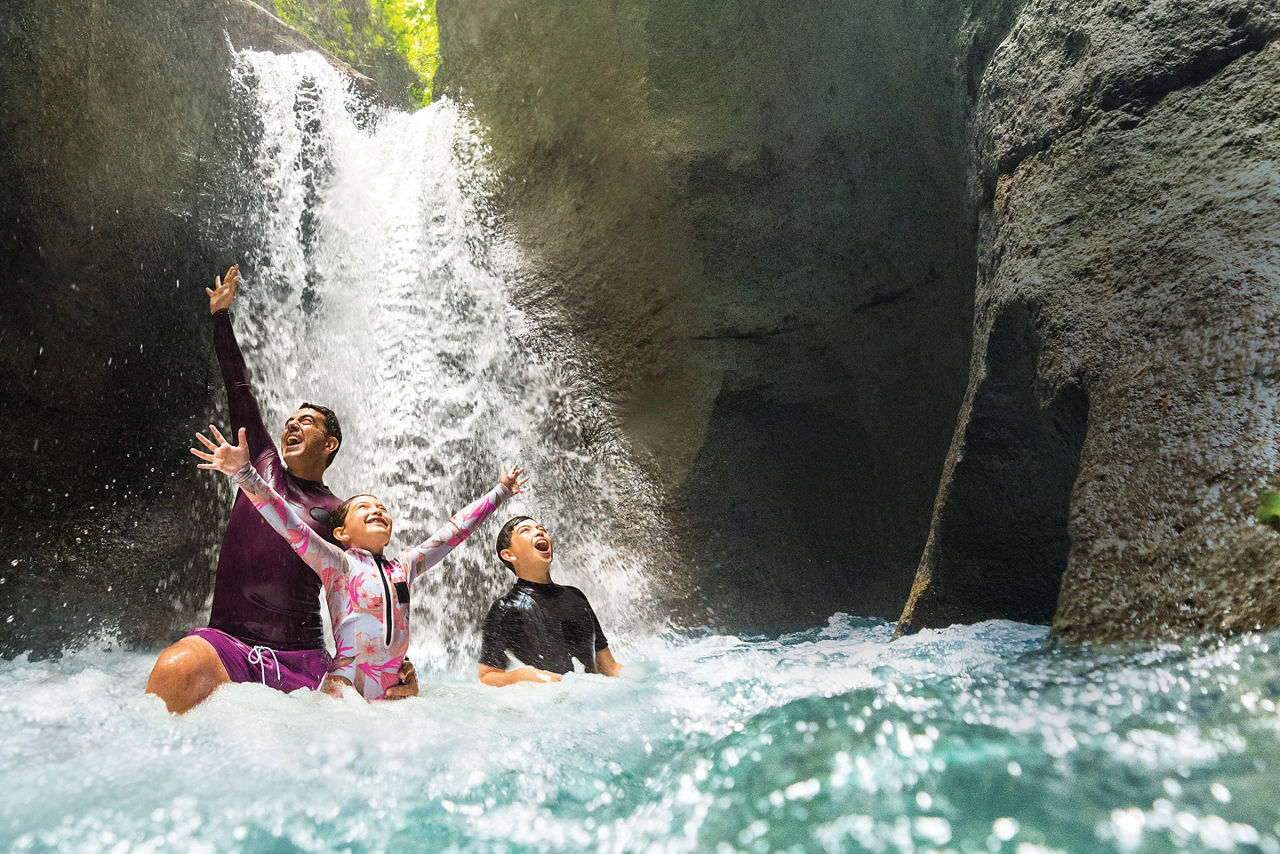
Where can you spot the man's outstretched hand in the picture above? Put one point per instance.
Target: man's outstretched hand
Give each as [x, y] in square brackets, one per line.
[223, 457]
[223, 290]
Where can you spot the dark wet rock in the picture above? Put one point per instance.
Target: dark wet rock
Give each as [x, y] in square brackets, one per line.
[1121, 414]
[120, 136]
[764, 233]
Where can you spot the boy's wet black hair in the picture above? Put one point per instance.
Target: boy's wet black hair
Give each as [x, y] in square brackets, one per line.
[504, 537]
[331, 428]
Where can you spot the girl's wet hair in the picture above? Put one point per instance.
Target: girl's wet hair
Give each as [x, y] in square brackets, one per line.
[338, 517]
[504, 537]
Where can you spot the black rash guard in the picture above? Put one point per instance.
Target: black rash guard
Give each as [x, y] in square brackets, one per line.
[544, 626]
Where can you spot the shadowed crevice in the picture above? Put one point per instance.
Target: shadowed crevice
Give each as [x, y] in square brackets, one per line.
[1001, 541]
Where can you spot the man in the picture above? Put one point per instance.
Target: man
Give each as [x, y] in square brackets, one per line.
[543, 625]
[265, 623]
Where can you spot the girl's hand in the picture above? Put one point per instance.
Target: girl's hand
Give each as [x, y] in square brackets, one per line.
[514, 480]
[227, 459]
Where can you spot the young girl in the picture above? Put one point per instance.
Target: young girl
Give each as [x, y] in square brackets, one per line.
[368, 595]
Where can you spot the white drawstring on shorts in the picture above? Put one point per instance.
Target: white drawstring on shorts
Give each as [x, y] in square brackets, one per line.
[255, 657]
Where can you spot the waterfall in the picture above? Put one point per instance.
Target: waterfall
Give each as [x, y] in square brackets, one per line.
[377, 285]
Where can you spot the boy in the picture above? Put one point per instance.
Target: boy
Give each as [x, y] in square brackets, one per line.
[544, 625]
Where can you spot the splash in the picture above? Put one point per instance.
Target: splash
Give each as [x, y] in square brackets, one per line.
[972, 738]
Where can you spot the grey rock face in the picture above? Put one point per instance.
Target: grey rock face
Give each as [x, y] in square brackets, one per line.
[785, 242]
[759, 227]
[1120, 418]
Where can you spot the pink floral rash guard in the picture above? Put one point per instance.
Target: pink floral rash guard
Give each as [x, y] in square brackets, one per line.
[368, 595]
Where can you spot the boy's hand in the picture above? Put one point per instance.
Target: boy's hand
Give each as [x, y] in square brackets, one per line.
[223, 290]
[514, 480]
[227, 459]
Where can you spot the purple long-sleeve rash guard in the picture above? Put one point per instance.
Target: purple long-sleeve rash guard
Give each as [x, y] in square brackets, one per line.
[264, 594]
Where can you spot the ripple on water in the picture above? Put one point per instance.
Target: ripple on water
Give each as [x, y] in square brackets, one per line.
[971, 738]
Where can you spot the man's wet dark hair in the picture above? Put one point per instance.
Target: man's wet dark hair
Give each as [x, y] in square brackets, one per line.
[504, 537]
[331, 428]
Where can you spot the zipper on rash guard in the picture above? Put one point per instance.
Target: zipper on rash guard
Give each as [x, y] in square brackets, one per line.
[386, 594]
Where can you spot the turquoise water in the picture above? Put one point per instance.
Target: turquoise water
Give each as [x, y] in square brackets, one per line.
[833, 739]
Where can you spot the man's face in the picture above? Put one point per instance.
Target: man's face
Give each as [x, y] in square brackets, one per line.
[367, 526]
[530, 546]
[304, 439]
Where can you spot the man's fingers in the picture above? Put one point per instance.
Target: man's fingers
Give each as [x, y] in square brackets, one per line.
[206, 442]
[240, 441]
[201, 454]
[217, 435]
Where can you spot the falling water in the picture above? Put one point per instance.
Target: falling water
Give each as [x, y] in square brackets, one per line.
[377, 288]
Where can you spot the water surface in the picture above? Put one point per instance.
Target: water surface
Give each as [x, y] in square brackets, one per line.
[834, 739]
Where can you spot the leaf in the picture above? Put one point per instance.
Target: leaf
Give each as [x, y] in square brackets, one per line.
[1268, 512]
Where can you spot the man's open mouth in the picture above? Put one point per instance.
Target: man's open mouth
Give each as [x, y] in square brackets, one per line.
[290, 441]
[542, 545]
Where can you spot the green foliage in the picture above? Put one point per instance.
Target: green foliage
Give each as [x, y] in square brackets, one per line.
[1268, 512]
[414, 24]
[396, 42]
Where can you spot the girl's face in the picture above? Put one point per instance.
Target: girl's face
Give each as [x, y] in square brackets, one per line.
[367, 526]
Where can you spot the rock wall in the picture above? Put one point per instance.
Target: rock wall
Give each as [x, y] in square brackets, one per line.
[760, 227]
[120, 136]
[1120, 419]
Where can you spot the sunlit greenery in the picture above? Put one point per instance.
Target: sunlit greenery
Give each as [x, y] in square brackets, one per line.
[1268, 512]
[393, 41]
[414, 25]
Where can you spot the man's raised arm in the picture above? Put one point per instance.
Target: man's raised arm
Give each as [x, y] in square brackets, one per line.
[235, 373]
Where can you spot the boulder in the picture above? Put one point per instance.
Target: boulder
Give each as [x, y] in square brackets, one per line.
[1120, 418]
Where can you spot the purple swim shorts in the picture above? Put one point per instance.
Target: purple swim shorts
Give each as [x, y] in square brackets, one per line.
[284, 670]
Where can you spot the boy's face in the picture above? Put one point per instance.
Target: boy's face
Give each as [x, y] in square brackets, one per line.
[530, 547]
[367, 526]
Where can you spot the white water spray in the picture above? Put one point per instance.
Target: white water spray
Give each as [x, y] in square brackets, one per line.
[373, 290]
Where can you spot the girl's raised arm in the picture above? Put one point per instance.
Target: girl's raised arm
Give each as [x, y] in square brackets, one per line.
[463, 523]
[323, 557]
